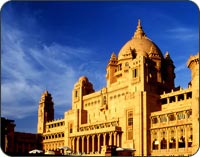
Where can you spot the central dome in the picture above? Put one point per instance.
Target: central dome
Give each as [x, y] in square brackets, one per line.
[140, 45]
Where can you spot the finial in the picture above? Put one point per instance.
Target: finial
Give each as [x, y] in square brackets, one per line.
[139, 33]
[167, 56]
[113, 56]
[139, 23]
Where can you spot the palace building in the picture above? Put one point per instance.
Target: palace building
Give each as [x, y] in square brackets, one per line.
[139, 109]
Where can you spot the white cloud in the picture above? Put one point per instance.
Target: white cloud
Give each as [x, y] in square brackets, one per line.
[27, 71]
[182, 33]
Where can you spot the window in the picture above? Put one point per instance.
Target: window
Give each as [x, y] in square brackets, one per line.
[129, 125]
[164, 101]
[172, 143]
[189, 95]
[104, 100]
[189, 113]
[76, 94]
[163, 119]
[130, 118]
[172, 139]
[181, 142]
[163, 143]
[130, 134]
[181, 115]
[154, 120]
[172, 99]
[135, 73]
[180, 97]
[172, 117]
[70, 128]
[190, 141]
[155, 144]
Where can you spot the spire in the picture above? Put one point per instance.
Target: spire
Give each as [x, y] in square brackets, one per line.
[139, 33]
[168, 58]
[113, 56]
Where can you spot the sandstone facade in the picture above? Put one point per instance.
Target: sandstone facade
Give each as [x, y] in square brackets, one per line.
[140, 108]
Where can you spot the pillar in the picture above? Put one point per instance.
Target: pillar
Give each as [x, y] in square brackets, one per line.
[167, 100]
[186, 137]
[167, 129]
[104, 139]
[98, 145]
[93, 143]
[73, 146]
[88, 144]
[177, 138]
[115, 138]
[110, 138]
[159, 139]
[77, 146]
[176, 98]
[83, 137]
[119, 140]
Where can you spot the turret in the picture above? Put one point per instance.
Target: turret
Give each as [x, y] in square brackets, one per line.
[193, 65]
[81, 88]
[45, 111]
[111, 69]
[169, 75]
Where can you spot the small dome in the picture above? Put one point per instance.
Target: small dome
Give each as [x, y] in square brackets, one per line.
[140, 45]
[83, 78]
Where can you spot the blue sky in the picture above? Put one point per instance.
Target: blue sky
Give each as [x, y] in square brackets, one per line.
[49, 45]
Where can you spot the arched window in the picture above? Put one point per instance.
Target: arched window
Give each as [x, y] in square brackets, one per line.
[172, 143]
[181, 142]
[181, 115]
[163, 143]
[163, 118]
[172, 117]
[155, 144]
[126, 64]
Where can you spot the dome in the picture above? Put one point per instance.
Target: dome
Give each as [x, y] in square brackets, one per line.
[83, 78]
[140, 45]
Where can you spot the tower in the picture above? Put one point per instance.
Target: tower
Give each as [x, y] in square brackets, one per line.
[168, 72]
[193, 65]
[81, 88]
[45, 111]
[111, 69]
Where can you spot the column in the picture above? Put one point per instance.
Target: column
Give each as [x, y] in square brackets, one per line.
[167, 100]
[77, 146]
[93, 143]
[118, 140]
[98, 145]
[83, 137]
[104, 139]
[115, 138]
[88, 144]
[185, 96]
[176, 98]
[73, 147]
[168, 138]
[159, 134]
[177, 139]
[110, 138]
[186, 137]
